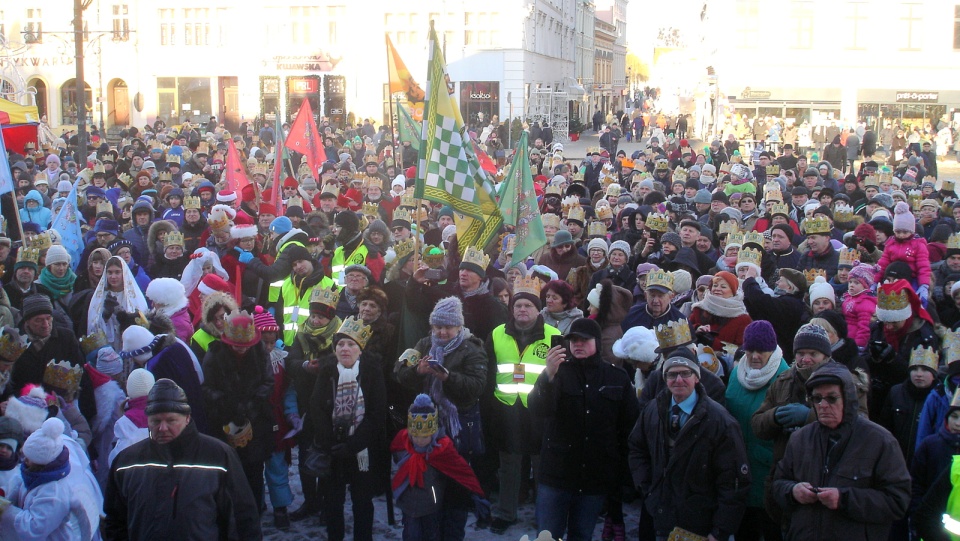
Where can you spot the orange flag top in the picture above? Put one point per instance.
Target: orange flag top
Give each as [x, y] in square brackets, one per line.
[402, 81]
[236, 176]
[305, 139]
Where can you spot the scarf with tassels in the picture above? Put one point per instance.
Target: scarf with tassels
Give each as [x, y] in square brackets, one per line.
[449, 417]
[348, 406]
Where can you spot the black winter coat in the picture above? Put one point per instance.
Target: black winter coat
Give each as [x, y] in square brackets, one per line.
[786, 313]
[61, 346]
[934, 456]
[901, 415]
[892, 366]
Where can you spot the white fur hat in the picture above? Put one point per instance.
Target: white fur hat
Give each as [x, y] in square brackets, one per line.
[30, 409]
[136, 341]
[637, 344]
[243, 231]
[165, 292]
[594, 296]
[139, 383]
[820, 289]
[46, 444]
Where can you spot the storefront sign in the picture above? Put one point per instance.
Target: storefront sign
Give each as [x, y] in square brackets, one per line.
[317, 62]
[36, 61]
[304, 85]
[918, 97]
[749, 94]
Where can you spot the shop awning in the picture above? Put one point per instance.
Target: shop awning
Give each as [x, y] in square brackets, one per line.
[14, 113]
[573, 89]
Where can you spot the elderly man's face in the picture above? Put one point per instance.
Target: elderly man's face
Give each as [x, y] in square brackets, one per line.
[468, 280]
[40, 326]
[658, 302]
[166, 427]
[780, 240]
[681, 381]
[827, 400]
[818, 244]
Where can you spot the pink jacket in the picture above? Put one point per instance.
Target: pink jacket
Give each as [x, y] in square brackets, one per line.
[913, 252]
[182, 325]
[859, 310]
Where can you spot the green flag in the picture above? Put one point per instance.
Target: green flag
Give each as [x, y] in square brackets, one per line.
[448, 172]
[518, 205]
[409, 128]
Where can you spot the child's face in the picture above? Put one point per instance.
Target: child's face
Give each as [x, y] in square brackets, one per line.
[6, 451]
[842, 274]
[953, 422]
[423, 441]
[269, 340]
[903, 234]
[855, 287]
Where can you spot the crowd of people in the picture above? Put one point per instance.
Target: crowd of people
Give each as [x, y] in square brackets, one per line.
[759, 348]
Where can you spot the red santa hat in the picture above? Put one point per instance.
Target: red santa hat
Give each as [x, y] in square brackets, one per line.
[248, 193]
[226, 196]
[290, 182]
[243, 231]
[212, 283]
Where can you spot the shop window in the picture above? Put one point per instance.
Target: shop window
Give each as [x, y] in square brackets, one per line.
[802, 19]
[33, 31]
[748, 15]
[69, 104]
[334, 14]
[857, 13]
[121, 22]
[196, 26]
[183, 98]
[911, 34]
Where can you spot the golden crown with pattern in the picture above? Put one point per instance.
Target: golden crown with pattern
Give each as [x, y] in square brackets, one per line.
[62, 377]
[773, 195]
[29, 253]
[371, 209]
[753, 237]
[550, 220]
[410, 357]
[240, 327]
[950, 347]
[657, 222]
[358, 176]
[404, 215]
[892, 301]
[191, 202]
[42, 241]
[914, 197]
[885, 177]
[356, 330]
[93, 341]
[433, 256]
[772, 170]
[735, 239]
[156, 145]
[41, 176]
[604, 213]
[662, 165]
[750, 255]
[568, 203]
[475, 256]
[818, 224]
[423, 424]
[295, 201]
[926, 357]
[811, 275]
[99, 169]
[849, 257]
[596, 229]
[330, 188]
[953, 242]
[173, 159]
[259, 169]
[576, 213]
[125, 179]
[843, 213]
[780, 208]
[527, 284]
[12, 345]
[218, 219]
[673, 334]
[304, 170]
[105, 207]
[728, 227]
[872, 179]
[553, 189]
[680, 174]
[165, 176]
[660, 278]
[325, 296]
[947, 185]
[404, 248]
[372, 182]
[407, 200]
[173, 238]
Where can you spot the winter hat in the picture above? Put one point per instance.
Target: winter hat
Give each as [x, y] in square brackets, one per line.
[813, 337]
[863, 273]
[281, 225]
[682, 356]
[65, 186]
[897, 301]
[264, 321]
[682, 281]
[11, 433]
[137, 341]
[375, 294]
[598, 244]
[422, 419]
[796, 278]
[448, 312]
[165, 292]
[621, 245]
[104, 225]
[167, 397]
[833, 321]
[108, 361]
[46, 444]
[57, 254]
[759, 336]
[866, 232]
[585, 328]
[347, 220]
[561, 238]
[361, 269]
[731, 280]
[703, 196]
[139, 383]
[903, 219]
[35, 305]
[820, 289]
[671, 238]
[212, 283]
[30, 408]
[543, 272]
[637, 344]
[898, 270]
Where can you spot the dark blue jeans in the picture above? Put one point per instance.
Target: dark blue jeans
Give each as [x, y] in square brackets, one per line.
[560, 511]
[425, 528]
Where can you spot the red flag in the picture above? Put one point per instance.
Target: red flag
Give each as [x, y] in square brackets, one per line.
[236, 177]
[272, 204]
[485, 162]
[305, 139]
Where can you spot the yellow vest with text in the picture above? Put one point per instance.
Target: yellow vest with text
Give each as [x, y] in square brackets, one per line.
[341, 262]
[533, 358]
[296, 307]
[951, 516]
[273, 293]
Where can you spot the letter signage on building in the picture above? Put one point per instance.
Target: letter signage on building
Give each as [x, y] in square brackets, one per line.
[917, 97]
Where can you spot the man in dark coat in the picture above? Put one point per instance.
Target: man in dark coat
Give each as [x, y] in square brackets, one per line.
[785, 309]
[842, 477]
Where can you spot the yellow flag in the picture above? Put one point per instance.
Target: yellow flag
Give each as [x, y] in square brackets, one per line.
[402, 81]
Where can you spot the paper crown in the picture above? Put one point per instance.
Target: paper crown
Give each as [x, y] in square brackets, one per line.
[605, 213]
[476, 257]
[240, 327]
[953, 242]
[843, 213]
[773, 195]
[325, 296]
[597, 229]
[407, 200]
[569, 202]
[404, 215]
[93, 341]
[662, 165]
[433, 256]
[660, 278]
[750, 255]
[330, 189]
[124, 179]
[680, 174]
[156, 145]
[372, 182]
[818, 224]
[727, 227]
[779, 208]
[165, 176]
[30, 254]
[62, 377]
[259, 169]
[553, 189]
[354, 328]
[576, 214]
[849, 257]
[950, 347]
[358, 176]
[550, 220]
[42, 241]
[811, 275]
[173, 238]
[371, 209]
[752, 237]
[885, 177]
[527, 284]
[423, 424]
[41, 176]
[99, 169]
[410, 357]
[105, 207]
[173, 159]
[926, 357]
[657, 222]
[947, 185]
[191, 202]
[203, 147]
[404, 248]
[673, 334]
[772, 170]
[914, 198]
[735, 239]
[295, 201]
[892, 301]
[12, 345]
[218, 220]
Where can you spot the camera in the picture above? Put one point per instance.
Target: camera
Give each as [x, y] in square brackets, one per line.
[436, 275]
[340, 432]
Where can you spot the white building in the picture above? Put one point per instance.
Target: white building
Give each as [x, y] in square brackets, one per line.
[585, 57]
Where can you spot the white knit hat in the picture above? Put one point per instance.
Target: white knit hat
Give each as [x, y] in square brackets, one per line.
[820, 289]
[139, 383]
[64, 186]
[594, 296]
[57, 254]
[597, 244]
[136, 341]
[682, 281]
[637, 344]
[46, 444]
[30, 409]
[621, 245]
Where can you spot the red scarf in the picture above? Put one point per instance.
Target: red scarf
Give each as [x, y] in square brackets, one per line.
[444, 458]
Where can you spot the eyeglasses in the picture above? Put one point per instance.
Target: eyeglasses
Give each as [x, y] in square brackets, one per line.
[398, 229]
[831, 399]
[679, 374]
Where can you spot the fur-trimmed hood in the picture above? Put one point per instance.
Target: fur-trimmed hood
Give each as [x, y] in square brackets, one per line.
[212, 301]
[153, 233]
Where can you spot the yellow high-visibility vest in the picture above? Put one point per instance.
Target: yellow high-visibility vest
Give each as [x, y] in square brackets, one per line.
[511, 363]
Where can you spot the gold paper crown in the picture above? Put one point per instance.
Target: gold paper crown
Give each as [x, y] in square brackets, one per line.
[42, 241]
[772, 170]
[753, 237]
[550, 219]
[892, 301]
[354, 328]
[371, 209]
[410, 357]
[662, 165]
[404, 248]
[173, 159]
[870, 179]
[812, 274]
[203, 147]
[914, 197]
[673, 334]
[773, 195]
[577, 214]
[750, 255]
[849, 257]
[259, 169]
[950, 347]
[12, 345]
[948, 185]
[657, 222]
[124, 179]
[325, 296]
[40, 176]
[527, 284]
[407, 200]
[218, 220]
[62, 377]
[99, 169]
[191, 202]
[568, 203]
[780, 208]
[843, 213]
[553, 189]
[330, 188]
[240, 327]
[476, 257]
[295, 201]
[606, 213]
[93, 341]
[735, 238]
[885, 177]
[660, 278]
[953, 242]
[433, 256]
[105, 207]
[727, 227]
[926, 357]
[28, 253]
[422, 424]
[164, 176]
[358, 176]
[403, 215]
[173, 238]
[596, 229]
[680, 174]
[156, 145]
[818, 224]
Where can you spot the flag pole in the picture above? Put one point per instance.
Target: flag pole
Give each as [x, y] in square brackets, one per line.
[282, 149]
[16, 216]
[393, 129]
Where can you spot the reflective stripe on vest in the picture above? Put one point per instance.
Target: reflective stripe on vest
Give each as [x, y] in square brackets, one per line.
[296, 309]
[273, 292]
[533, 359]
[338, 263]
[951, 518]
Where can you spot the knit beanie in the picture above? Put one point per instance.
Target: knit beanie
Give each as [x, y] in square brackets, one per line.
[281, 225]
[682, 356]
[671, 238]
[35, 305]
[447, 312]
[11, 433]
[598, 244]
[820, 289]
[682, 281]
[759, 336]
[731, 280]
[593, 298]
[621, 245]
[865, 232]
[46, 444]
[264, 321]
[863, 273]
[813, 337]
[57, 254]
[108, 361]
[136, 341]
[903, 219]
[787, 230]
[139, 383]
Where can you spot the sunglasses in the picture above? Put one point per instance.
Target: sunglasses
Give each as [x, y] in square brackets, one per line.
[831, 399]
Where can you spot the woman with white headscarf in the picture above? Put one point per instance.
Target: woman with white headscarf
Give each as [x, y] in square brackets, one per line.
[202, 262]
[117, 292]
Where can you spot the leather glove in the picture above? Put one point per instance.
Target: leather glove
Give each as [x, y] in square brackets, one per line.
[924, 293]
[881, 351]
[340, 450]
[109, 306]
[791, 415]
[245, 257]
[295, 421]
[869, 245]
